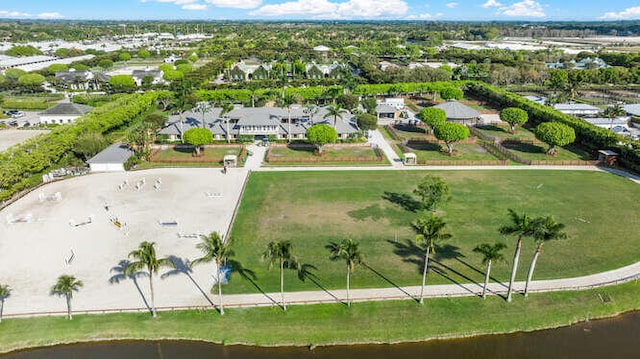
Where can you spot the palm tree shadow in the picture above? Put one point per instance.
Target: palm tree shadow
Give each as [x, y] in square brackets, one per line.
[390, 281]
[249, 275]
[183, 266]
[482, 273]
[404, 200]
[121, 275]
[306, 272]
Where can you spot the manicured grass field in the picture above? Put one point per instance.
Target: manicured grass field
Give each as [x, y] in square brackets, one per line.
[537, 152]
[332, 155]
[503, 132]
[379, 322]
[312, 209]
[462, 152]
[212, 156]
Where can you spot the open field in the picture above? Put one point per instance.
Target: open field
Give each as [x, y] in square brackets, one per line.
[57, 237]
[314, 208]
[372, 322]
[332, 155]
[9, 138]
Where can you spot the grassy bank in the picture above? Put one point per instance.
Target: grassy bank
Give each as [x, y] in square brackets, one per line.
[374, 322]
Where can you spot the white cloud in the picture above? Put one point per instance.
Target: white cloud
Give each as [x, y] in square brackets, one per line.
[526, 8]
[491, 3]
[5, 13]
[236, 4]
[50, 15]
[452, 5]
[195, 7]
[331, 10]
[629, 13]
[424, 16]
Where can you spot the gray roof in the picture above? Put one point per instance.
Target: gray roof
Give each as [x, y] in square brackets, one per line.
[575, 107]
[116, 153]
[386, 109]
[632, 109]
[604, 121]
[457, 111]
[67, 108]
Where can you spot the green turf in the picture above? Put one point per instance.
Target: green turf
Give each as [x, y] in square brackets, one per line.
[332, 155]
[313, 208]
[537, 152]
[462, 152]
[503, 131]
[380, 322]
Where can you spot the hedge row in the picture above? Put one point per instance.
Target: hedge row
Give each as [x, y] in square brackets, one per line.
[26, 105]
[593, 137]
[22, 165]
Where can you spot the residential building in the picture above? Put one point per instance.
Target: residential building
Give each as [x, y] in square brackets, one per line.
[577, 109]
[459, 113]
[63, 113]
[76, 80]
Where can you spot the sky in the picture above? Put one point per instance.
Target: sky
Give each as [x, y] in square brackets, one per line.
[461, 10]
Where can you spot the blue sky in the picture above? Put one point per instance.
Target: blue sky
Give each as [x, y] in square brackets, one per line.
[501, 10]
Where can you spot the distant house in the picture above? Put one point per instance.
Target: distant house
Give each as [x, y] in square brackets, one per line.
[323, 51]
[386, 65]
[250, 70]
[171, 59]
[63, 113]
[258, 122]
[75, 80]
[459, 113]
[319, 71]
[632, 109]
[608, 123]
[154, 76]
[577, 109]
[111, 159]
[542, 100]
[390, 108]
[590, 63]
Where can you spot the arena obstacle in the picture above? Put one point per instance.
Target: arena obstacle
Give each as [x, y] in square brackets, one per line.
[25, 218]
[169, 223]
[56, 197]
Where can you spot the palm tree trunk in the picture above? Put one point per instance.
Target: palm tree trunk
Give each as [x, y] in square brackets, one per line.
[68, 307]
[1, 308]
[532, 267]
[348, 277]
[284, 305]
[424, 274]
[220, 288]
[153, 302]
[512, 279]
[486, 280]
[289, 124]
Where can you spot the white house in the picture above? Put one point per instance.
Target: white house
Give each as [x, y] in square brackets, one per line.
[63, 113]
[396, 102]
[111, 159]
[577, 109]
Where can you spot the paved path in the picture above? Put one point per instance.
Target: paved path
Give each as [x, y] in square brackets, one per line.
[254, 162]
[376, 138]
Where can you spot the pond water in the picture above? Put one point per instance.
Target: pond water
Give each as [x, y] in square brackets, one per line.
[614, 338]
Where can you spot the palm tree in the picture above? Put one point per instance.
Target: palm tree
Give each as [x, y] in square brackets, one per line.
[544, 229]
[613, 112]
[490, 253]
[5, 292]
[214, 248]
[348, 251]
[428, 233]
[226, 108]
[286, 101]
[311, 110]
[146, 258]
[203, 107]
[65, 286]
[182, 104]
[281, 252]
[335, 111]
[521, 225]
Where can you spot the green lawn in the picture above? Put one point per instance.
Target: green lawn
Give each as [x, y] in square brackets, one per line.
[314, 208]
[537, 152]
[379, 322]
[333, 155]
[462, 152]
[212, 156]
[504, 132]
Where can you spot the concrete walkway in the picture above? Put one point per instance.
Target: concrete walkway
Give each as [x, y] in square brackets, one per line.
[254, 162]
[376, 139]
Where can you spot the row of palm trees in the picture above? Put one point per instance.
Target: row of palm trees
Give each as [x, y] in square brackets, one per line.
[430, 231]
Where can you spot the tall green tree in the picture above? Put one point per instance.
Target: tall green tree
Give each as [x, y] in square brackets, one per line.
[348, 251]
[214, 248]
[613, 112]
[451, 133]
[198, 137]
[281, 252]
[64, 287]
[226, 108]
[287, 100]
[514, 116]
[433, 116]
[203, 107]
[555, 134]
[489, 253]
[544, 229]
[429, 232]
[5, 292]
[521, 226]
[145, 257]
[336, 112]
[321, 134]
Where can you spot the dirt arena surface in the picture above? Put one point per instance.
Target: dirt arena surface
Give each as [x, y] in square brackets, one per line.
[50, 237]
[12, 137]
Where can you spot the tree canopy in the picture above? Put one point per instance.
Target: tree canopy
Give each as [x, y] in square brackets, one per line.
[367, 121]
[433, 116]
[514, 116]
[122, 83]
[321, 134]
[451, 93]
[555, 134]
[451, 133]
[433, 192]
[198, 137]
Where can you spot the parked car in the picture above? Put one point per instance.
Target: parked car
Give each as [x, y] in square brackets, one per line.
[14, 113]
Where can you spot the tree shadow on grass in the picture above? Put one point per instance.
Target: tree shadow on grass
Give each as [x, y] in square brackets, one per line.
[389, 281]
[404, 200]
[250, 276]
[183, 266]
[306, 271]
[121, 275]
[479, 271]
